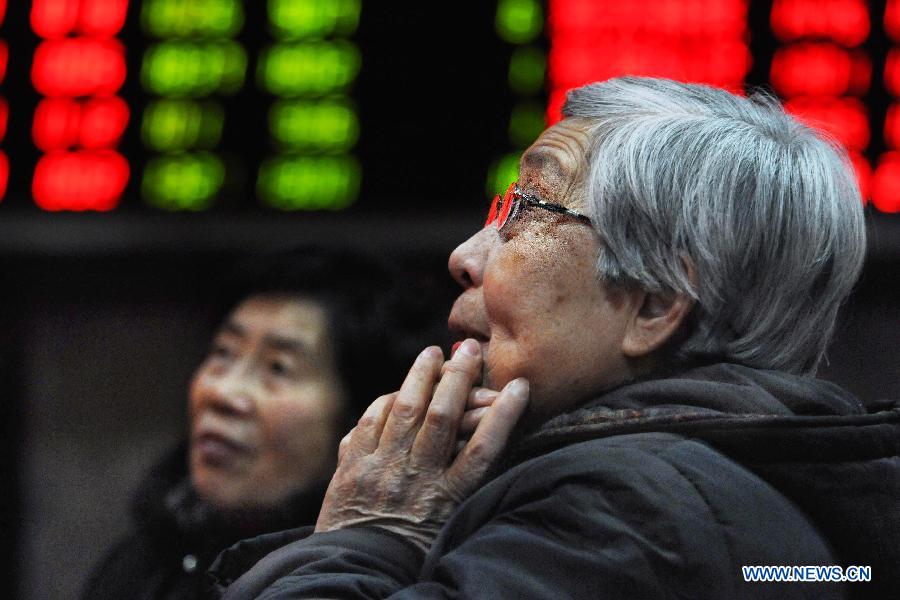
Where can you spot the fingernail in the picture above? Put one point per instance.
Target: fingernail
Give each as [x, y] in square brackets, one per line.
[470, 347]
[518, 387]
[484, 394]
[431, 352]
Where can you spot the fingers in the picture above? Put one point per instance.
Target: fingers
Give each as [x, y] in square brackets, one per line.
[344, 446]
[480, 397]
[363, 439]
[489, 439]
[435, 441]
[476, 407]
[412, 400]
[470, 421]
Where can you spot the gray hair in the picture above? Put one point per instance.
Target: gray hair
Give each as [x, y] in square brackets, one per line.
[765, 209]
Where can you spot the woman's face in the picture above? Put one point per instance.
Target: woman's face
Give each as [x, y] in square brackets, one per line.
[265, 405]
[531, 294]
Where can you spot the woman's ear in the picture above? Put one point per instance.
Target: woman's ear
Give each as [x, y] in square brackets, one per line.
[658, 317]
[656, 320]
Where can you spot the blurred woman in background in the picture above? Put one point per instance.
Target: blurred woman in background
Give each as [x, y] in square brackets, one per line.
[267, 408]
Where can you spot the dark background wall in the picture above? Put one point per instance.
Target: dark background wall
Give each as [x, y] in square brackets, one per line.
[104, 349]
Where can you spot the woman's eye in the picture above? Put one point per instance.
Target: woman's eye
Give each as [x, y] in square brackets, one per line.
[278, 367]
[221, 351]
[511, 229]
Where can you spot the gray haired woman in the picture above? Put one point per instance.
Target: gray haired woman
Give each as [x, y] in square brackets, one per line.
[631, 411]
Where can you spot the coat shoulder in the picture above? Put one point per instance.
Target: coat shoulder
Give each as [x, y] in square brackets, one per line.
[645, 513]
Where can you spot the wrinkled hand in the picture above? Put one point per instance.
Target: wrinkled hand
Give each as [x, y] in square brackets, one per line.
[400, 468]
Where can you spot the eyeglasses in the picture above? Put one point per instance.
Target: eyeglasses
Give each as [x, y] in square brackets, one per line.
[504, 210]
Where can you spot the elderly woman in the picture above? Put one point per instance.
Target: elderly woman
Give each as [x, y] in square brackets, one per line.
[649, 302]
[300, 352]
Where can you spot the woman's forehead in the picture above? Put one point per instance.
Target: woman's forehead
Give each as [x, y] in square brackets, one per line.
[286, 316]
[554, 167]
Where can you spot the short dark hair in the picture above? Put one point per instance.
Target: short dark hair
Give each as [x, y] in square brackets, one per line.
[377, 320]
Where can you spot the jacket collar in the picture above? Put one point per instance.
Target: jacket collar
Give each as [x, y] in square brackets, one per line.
[706, 398]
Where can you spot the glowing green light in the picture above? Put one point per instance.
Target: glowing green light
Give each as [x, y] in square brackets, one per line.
[502, 172]
[308, 68]
[526, 123]
[526, 70]
[326, 125]
[309, 182]
[296, 19]
[171, 125]
[183, 181]
[519, 21]
[197, 18]
[194, 69]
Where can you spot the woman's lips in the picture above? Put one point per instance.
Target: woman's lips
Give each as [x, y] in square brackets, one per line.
[483, 343]
[217, 450]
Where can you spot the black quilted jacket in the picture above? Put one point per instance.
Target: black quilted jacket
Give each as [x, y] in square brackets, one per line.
[175, 538]
[659, 489]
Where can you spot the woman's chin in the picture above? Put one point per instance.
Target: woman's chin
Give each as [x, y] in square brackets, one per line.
[216, 488]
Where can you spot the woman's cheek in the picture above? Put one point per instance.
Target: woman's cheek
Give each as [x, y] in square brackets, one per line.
[502, 289]
[308, 406]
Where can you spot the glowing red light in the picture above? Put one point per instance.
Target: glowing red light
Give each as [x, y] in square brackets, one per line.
[554, 106]
[103, 122]
[819, 70]
[892, 19]
[102, 17]
[892, 72]
[892, 126]
[56, 124]
[886, 183]
[4, 173]
[78, 67]
[2, 11]
[576, 61]
[842, 21]
[61, 123]
[65, 68]
[863, 171]
[843, 118]
[54, 18]
[86, 180]
[4, 117]
[4, 58]
[860, 73]
[701, 41]
[725, 18]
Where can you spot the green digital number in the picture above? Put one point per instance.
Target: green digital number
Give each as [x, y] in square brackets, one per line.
[309, 182]
[183, 181]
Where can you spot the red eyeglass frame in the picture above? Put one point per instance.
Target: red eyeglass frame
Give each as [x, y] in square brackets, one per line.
[505, 209]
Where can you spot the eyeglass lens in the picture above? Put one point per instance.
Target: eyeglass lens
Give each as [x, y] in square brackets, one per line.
[492, 213]
[506, 207]
[501, 208]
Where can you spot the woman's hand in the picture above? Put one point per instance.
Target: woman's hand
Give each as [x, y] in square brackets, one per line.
[400, 467]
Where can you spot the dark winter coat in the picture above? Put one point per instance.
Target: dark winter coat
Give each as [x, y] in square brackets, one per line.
[176, 537]
[659, 489]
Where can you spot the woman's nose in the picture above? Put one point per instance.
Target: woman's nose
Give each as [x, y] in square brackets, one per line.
[231, 393]
[467, 262]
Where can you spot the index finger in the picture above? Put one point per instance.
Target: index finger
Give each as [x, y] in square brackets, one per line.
[411, 401]
[435, 440]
